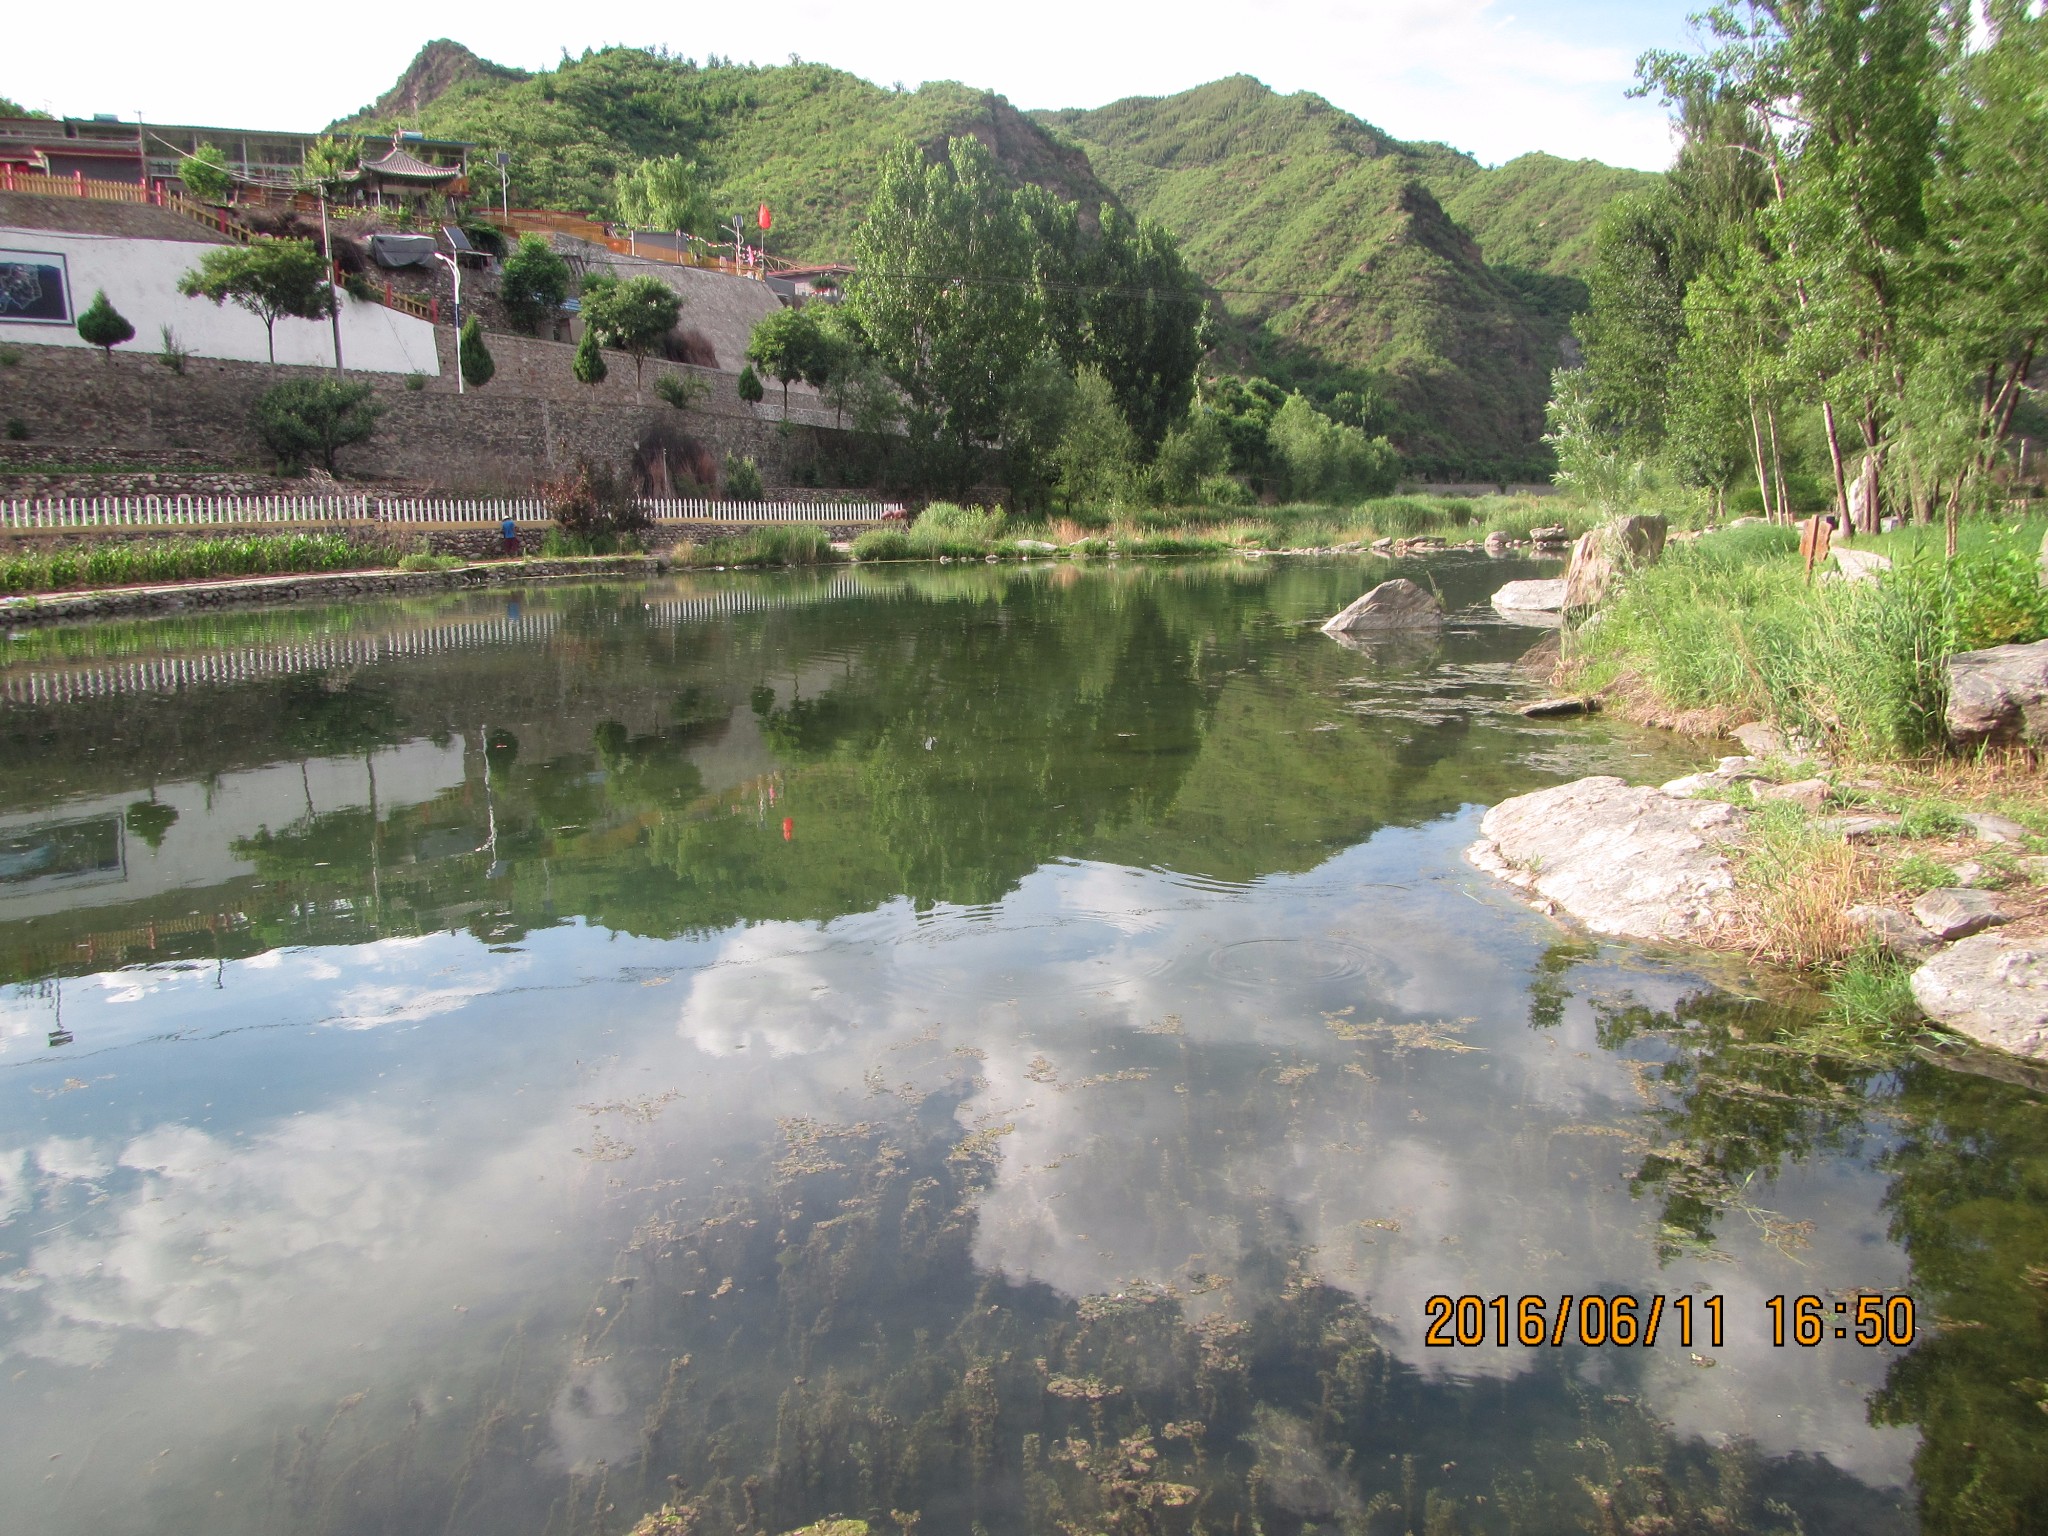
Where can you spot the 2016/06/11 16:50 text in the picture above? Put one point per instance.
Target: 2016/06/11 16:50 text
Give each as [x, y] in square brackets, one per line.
[1472, 1321]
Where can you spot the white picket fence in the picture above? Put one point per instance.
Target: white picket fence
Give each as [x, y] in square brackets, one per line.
[88, 512]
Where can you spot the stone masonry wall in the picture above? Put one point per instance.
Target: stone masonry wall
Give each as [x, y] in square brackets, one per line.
[531, 421]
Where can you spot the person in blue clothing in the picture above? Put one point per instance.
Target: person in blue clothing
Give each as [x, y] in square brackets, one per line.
[509, 532]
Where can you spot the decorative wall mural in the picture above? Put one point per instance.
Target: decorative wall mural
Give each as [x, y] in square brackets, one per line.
[35, 287]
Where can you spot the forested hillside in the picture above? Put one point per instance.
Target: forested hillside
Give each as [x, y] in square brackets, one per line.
[806, 139]
[1340, 258]
[1337, 246]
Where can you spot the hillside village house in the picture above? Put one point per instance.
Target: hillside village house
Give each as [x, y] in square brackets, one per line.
[104, 148]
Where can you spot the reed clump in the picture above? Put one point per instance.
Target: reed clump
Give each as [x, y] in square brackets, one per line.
[183, 559]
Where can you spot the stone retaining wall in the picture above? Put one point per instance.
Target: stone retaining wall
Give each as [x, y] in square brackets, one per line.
[501, 439]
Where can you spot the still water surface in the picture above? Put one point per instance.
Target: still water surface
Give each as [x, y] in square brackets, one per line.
[969, 1050]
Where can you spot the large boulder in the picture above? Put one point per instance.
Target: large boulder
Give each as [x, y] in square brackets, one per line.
[1992, 987]
[1859, 564]
[1626, 544]
[1396, 604]
[1526, 597]
[2000, 694]
[1633, 862]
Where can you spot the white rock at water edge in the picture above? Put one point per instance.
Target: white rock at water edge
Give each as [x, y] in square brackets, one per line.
[1531, 596]
[1627, 861]
[1993, 988]
[1396, 604]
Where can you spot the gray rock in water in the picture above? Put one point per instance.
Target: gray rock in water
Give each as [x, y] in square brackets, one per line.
[1995, 829]
[1551, 709]
[1496, 543]
[1550, 536]
[1993, 988]
[2000, 694]
[1627, 861]
[1955, 911]
[1893, 929]
[1531, 596]
[1396, 604]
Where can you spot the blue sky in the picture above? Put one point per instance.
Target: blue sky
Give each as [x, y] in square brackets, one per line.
[1489, 76]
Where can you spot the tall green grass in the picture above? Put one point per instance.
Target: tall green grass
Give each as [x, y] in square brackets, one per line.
[1730, 621]
[774, 544]
[114, 565]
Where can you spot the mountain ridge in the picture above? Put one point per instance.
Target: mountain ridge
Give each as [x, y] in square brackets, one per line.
[1338, 255]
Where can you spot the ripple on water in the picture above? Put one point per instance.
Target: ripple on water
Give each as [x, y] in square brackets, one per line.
[1266, 963]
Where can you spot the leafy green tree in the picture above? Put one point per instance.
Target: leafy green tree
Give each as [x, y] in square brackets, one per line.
[1145, 330]
[790, 344]
[633, 316]
[1195, 450]
[314, 416]
[271, 279]
[478, 366]
[742, 478]
[1245, 408]
[1850, 94]
[1324, 460]
[330, 164]
[1097, 450]
[533, 283]
[206, 175]
[749, 386]
[666, 193]
[945, 292]
[680, 390]
[103, 326]
[1035, 417]
[1630, 334]
[588, 365]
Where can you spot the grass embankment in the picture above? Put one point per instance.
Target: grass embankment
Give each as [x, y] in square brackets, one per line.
[1728, 625]
[1727, 629]
[948, 531]
[181, 559]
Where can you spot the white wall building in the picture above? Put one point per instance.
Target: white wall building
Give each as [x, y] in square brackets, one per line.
[48, 277]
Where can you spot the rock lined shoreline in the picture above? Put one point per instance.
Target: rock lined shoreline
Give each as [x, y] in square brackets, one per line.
[1656, 864]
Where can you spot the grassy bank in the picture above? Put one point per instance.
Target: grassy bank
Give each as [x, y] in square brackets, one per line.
[1728, 626]
[1727, 629]
[946, 530]
[187, 559]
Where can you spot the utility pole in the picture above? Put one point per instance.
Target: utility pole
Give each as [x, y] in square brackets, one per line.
[333, 288]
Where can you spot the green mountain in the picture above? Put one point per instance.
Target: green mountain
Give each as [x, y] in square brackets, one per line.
[1341, 254]
[803, 138]
[1336, 245]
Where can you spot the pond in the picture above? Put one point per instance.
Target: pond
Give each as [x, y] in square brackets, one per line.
[965, 1049]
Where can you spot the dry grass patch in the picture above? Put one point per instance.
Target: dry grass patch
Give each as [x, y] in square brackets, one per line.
[1794, 882]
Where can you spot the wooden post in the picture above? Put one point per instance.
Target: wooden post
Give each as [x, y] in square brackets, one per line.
[1814, 537]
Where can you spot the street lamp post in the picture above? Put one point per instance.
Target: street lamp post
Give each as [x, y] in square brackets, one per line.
[505, 180]
[333, 289]
[454, 267]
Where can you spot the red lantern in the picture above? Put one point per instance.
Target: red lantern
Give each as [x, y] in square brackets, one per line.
[767, 219]
[788, 829]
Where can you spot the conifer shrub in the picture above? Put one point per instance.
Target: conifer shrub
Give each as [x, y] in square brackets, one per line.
[103, 326]
[478, 366]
